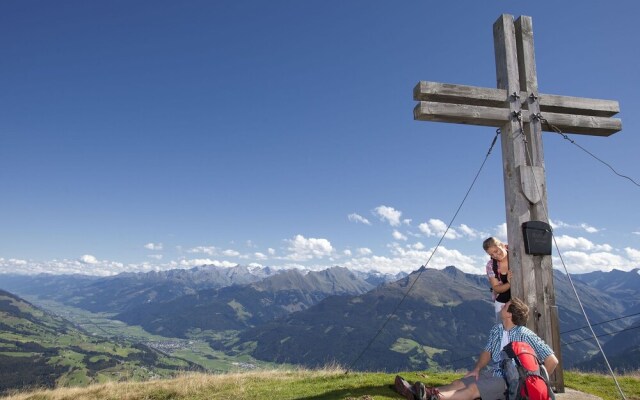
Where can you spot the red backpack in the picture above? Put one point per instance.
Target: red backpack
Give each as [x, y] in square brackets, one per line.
[526, 377]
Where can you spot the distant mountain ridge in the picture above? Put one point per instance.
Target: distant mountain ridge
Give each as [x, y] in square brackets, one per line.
[314, 317]
[120, 292]
[239, 307]
[442, 322]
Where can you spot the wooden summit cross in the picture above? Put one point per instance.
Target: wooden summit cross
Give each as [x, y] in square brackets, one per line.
[518, 110]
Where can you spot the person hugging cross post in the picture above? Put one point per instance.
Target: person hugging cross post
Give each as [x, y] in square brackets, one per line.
[498, 273]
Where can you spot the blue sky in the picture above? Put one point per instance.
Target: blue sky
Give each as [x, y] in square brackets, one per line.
[142, 135]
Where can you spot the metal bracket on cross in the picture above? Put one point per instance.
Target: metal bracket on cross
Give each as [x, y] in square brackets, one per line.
[461, 104]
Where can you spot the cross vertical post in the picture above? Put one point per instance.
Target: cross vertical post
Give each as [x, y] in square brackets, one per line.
[517, 109]
[524, 179]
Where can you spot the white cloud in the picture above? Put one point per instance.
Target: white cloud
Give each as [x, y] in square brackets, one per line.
[231, 253]
[568, 242]
[271, 251]
[409, 259]
[556, 224]
[501, 232]
[436, 227]
[398, 236]
[347, 253]
[302, 249]
[363, 251]
[636, 233]
[209, 250]
[86, 265]
[88, 259]
[589, 229]
[260, 256]
[196, 262]
[358, 218]
[389, 214]
[153, 246]
[155, 256]
[417, 246]
[580, 261]
[468, 231]
[633, 254]
[563, 225]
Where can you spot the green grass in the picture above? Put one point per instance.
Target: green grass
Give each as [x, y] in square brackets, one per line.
[603, 385]
[325, 384]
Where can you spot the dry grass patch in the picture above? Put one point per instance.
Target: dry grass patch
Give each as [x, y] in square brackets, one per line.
[192, 386]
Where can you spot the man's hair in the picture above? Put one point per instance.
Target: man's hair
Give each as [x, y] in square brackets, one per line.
[519, 311]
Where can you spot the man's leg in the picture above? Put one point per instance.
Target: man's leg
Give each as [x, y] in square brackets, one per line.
[460, 389]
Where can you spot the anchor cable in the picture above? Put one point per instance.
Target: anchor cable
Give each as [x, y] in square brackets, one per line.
[564, 135]
[540, 118]
[423, 267]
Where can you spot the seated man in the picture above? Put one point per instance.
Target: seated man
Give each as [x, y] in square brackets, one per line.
[487, 385]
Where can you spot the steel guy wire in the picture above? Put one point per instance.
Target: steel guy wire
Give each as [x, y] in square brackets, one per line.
[421, 270]
[564, 135]
[540, 118]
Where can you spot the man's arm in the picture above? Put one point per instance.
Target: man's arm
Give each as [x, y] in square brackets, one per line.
[483, 360]
[550, 363]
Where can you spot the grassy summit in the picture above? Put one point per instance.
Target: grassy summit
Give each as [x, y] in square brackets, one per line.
[324, 384]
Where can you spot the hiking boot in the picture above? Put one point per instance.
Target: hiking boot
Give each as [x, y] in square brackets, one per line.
[424, 392]
[404, 388]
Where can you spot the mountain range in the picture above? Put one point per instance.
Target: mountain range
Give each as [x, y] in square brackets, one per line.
[367, 321]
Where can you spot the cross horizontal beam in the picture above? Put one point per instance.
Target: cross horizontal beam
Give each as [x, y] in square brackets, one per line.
[480, 96]
[444, 102]
[497, 117]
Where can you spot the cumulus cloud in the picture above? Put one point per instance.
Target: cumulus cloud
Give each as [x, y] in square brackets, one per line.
[260, 256]
[85, 265]
[633, 254]
[436, 227]
[501, 232]
[472, 233]
[589, 229]
[347, 253]
[388, 214]
[408, 258]
[363, 251]
[581, 261]
[353, 217]
[271, 251]
[398, 236]
[88, 259]
[153, 246]
[231, 253]
[301, 248]
[568, 242]
[209, 250]
[583, 226]
[205, 261]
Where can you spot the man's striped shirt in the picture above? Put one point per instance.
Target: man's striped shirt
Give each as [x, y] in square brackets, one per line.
[516, 334]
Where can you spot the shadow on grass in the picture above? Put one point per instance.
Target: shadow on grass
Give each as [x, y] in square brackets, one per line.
[356, 393]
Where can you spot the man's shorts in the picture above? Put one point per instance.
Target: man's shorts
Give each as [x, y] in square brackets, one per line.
[490, 387]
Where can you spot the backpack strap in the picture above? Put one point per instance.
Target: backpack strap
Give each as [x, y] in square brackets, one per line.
[495, 268]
